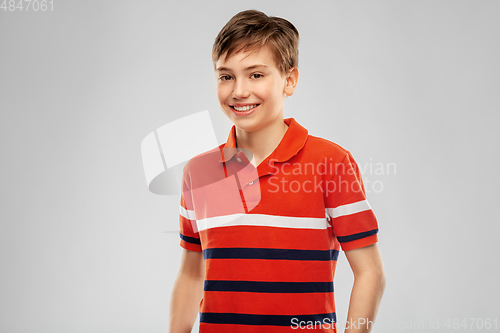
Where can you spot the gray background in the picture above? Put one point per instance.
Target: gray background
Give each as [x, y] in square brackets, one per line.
[85, 247]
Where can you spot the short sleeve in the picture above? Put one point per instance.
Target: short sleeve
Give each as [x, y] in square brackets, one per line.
[190, 237]
[353, 221]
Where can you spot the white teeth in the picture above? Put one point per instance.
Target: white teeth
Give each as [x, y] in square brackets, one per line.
[244, 108]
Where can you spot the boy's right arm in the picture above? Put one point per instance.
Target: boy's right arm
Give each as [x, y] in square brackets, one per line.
[187, 292]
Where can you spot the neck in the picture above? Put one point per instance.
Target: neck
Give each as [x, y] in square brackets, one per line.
[263, 141]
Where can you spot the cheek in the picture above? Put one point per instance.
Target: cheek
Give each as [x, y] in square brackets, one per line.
[263, 92]
[222, 93]
[271, 91]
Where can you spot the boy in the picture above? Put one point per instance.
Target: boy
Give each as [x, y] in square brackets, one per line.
[264, 215]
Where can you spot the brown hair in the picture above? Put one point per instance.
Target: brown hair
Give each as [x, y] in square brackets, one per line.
[251, 30]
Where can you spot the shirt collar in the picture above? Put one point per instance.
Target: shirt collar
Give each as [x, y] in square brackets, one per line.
[292, 142]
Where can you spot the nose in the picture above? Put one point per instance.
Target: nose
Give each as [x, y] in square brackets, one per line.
[240, 90]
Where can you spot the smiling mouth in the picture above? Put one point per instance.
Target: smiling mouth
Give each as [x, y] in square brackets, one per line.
[244, 108]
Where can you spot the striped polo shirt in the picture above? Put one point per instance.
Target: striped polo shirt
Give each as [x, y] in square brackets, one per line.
[271, 234]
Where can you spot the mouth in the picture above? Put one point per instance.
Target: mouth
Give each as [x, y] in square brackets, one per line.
[244, 108]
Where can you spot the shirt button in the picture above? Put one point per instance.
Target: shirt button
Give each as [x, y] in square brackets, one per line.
[250, 183]
[238, 159]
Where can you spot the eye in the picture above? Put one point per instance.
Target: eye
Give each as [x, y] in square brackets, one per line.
[224, 77]
[257, 76]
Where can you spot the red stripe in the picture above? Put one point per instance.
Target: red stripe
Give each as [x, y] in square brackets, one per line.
[354, 223]
[267, 303]
[270, 270]
[269, 237]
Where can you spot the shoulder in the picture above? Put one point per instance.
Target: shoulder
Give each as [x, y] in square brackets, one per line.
[204, 161]
[317, 147]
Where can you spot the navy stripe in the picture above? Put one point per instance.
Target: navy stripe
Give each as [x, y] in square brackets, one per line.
[272, 320]
[272, 254]
[360, 235]
[190, 239]
[268, 287]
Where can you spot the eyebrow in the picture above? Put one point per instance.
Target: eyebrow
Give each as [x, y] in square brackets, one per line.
[249, 68]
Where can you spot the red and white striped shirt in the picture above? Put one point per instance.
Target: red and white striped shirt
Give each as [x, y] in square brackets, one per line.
[271, 234]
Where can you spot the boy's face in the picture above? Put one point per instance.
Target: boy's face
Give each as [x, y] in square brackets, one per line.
[252, 79]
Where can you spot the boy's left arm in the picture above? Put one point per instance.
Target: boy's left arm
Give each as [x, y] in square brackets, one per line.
[368, 287]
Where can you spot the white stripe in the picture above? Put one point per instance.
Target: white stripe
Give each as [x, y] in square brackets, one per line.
[262, 220]
[348, 209]
[188, 214]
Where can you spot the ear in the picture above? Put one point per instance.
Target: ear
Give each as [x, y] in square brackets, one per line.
[291, 81]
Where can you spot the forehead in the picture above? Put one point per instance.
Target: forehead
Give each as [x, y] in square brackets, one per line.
[245, 60]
